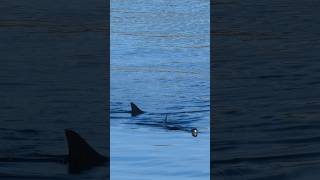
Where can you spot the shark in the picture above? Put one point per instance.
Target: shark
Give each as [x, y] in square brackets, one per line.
[81, 156]
[136, 111]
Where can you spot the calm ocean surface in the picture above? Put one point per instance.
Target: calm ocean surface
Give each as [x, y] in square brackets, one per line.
[51, 78]
[160, 61]
[266, 100]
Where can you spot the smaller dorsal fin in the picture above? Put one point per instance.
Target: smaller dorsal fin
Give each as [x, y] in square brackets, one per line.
[135, 110]
[166, 119]
[81, 154]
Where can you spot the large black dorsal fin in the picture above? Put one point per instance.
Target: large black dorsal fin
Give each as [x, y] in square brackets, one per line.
[81, 154]
[135, 110]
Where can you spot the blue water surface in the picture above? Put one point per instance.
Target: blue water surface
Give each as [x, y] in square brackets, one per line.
[160, 61]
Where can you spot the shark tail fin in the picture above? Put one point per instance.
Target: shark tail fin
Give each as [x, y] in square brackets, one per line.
[166, 119]
[81, 154]
[135, 110]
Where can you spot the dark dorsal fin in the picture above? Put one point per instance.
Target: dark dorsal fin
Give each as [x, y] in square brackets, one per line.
[135, 110]
[81, 155]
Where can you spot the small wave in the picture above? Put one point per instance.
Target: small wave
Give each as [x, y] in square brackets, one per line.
[152, 69]
[28, 131]
[260, 159]
[15, 176]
